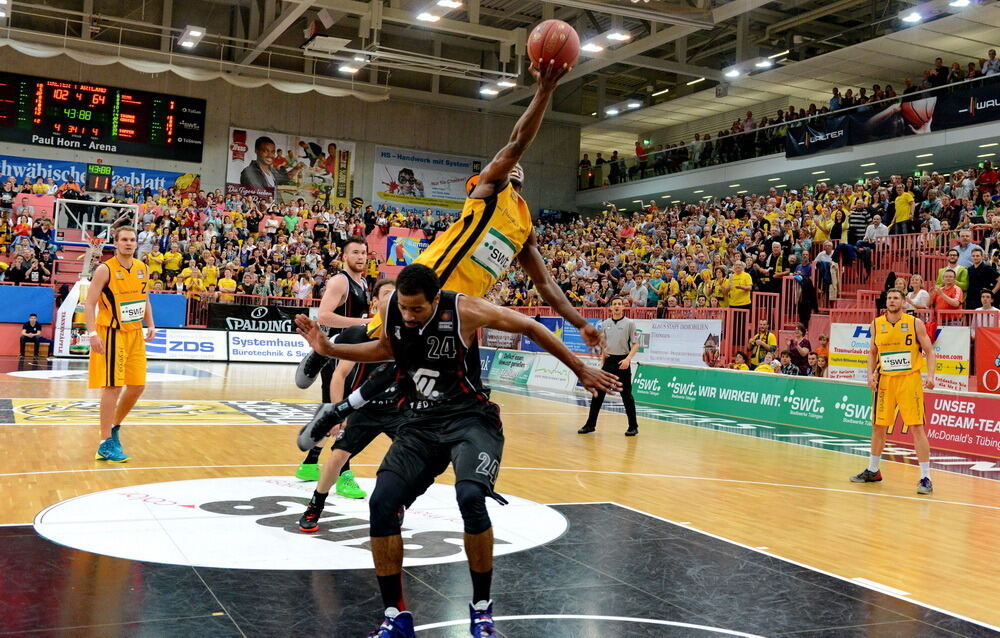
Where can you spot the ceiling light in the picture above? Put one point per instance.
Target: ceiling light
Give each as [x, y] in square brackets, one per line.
[988, 145]
[667, 196]
[959, 3]
[450, 4]
[773, 179]
[701, 191]
[740, 192]
[636, 201]
[868, 164]
[925, 164]
[733, 73]
[661, 92]
[764, 64]
[818, 172]
[196, 32]
[871, 172]
[986, 155]
[506, 84]
[824, 179]
[733, 186]
[925, 155]
[611, 111]
[913, 17]
[619, 35]
[360, 58]
[187, 44]
[347, 68]
[778, 55]
[695, 81]
[191, 36]
[634, 105]
[782, 186]
[428, 17]
[594, 113]
[592, 47]
[707, 197]
[488, 90]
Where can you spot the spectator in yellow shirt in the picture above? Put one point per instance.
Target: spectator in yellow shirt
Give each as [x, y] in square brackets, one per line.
[762, 343]
[172, 260]
[194, 285]
[210, 273]
[902, 220]
[154, 261]
[739, 286]
[227, 287]
[740, 361]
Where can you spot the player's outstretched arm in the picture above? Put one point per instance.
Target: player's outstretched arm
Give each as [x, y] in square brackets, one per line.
[477, 313]
[494, 175]
[363, 352]
[531, 260]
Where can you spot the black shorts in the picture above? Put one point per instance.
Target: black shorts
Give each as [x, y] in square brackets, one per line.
[470, 439]
[364, 426]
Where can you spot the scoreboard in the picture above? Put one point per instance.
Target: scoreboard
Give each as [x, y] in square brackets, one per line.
[91, 117]
[99, 178]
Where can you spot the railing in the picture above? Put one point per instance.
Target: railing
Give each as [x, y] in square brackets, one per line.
[970, 318]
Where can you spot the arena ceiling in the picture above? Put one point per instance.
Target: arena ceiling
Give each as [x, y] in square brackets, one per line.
[477, 43]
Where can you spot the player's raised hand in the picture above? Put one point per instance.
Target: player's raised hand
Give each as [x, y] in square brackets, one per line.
[595, 379]
[548, 74]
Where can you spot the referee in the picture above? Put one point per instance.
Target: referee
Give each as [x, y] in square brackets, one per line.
[619, 331]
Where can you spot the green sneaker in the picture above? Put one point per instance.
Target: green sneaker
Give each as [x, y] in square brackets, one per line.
[307, 472]
[348, 487]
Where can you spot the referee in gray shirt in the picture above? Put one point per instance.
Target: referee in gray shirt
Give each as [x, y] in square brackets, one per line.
[620, 333]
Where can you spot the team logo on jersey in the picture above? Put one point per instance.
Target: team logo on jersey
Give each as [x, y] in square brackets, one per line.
[141, 274]
[399, 335]
[885, 328]
[119, 274]
[904, 327]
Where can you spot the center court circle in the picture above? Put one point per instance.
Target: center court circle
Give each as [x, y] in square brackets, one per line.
[252, 523]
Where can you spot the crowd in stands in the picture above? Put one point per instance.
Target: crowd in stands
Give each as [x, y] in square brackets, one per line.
[752, 137]
[716, 253]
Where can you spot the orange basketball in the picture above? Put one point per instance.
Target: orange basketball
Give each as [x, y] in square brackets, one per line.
[553, 40]
[918, 112]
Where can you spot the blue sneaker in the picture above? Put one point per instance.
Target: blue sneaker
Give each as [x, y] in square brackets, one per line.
[481, 615]
[397, 624]
[110, 449]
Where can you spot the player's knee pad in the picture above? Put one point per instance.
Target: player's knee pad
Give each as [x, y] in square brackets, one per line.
[471, 497]
[386, 504]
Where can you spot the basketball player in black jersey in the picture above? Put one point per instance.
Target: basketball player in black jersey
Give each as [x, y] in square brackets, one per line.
[345, 303]
[432, 336]
[379, 416]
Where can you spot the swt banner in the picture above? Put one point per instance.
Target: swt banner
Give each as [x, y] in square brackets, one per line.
[414, 181]
[290, 167]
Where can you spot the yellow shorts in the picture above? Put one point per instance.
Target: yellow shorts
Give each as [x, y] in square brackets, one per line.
[899, 394]
[124, 361]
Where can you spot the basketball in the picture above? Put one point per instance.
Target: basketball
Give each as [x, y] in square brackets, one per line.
[918, 112]
[553, 40]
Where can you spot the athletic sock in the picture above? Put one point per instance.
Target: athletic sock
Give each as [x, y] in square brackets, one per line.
[481, 582]
[312, 458]
[925, 470]
[319, 499]
[346, 468]
[392, 591]
[873, 462]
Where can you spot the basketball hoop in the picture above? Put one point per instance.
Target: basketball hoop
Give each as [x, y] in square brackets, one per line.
[93, 256]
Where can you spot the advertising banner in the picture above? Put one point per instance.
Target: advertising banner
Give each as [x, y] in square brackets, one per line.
[511, 366]
[203, 345]
[692, 342]
[966, 423]
[850, 343]
[227, 316]
[64, 171]
[290, 167]
[267, 347]
[818, 135]
[414, 181]
[555, 326]
[573, 340]
[401, 251]
[988, 360]
[953, 107]
[549, 372]
[493, 338]
[486, 360]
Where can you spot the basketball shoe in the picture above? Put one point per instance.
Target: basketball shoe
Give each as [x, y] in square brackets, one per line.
[327, 416]
[867, 476]
[348, 487]
[307, 472]
[397, 624]
[309, 368]
[309, 522]
[925, 486]
[481, 616]
[110, 449]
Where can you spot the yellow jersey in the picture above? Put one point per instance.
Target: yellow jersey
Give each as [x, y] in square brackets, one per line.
[210, 274]
[897, 345]
[739, 297]
[154, 261]
[172, 260]
[122, 305]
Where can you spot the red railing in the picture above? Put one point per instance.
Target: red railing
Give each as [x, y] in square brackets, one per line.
[764, 305]
[970, 318]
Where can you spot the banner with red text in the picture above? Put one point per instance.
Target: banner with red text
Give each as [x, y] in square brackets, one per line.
[965, 423]
[988, 359]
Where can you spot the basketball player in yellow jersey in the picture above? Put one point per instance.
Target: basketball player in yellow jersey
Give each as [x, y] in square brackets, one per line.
[894, 364]
[493, 230]
[117, 303]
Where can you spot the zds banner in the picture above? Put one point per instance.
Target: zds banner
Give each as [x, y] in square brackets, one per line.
[415, 181]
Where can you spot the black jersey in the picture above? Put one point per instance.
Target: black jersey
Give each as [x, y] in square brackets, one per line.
[355, 304]
[443, 370]
[362, 371]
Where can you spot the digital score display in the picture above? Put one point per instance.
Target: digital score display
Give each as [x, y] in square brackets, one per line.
[99, 178]
[90, 117]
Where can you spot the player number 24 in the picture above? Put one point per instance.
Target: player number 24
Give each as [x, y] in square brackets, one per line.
[440, 348]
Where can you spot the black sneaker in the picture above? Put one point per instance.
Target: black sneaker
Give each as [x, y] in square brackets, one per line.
[327, 416]
[309, 368]
[310, 519]
[925, 486]
[867, 476]
[632, 432]
[587, 429]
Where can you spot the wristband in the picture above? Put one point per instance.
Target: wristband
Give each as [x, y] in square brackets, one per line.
[93, 334]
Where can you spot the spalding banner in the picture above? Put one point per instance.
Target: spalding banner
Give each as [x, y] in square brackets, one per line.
[238, 317]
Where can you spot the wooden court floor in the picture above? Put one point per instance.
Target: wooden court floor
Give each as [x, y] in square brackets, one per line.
[791, 501]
